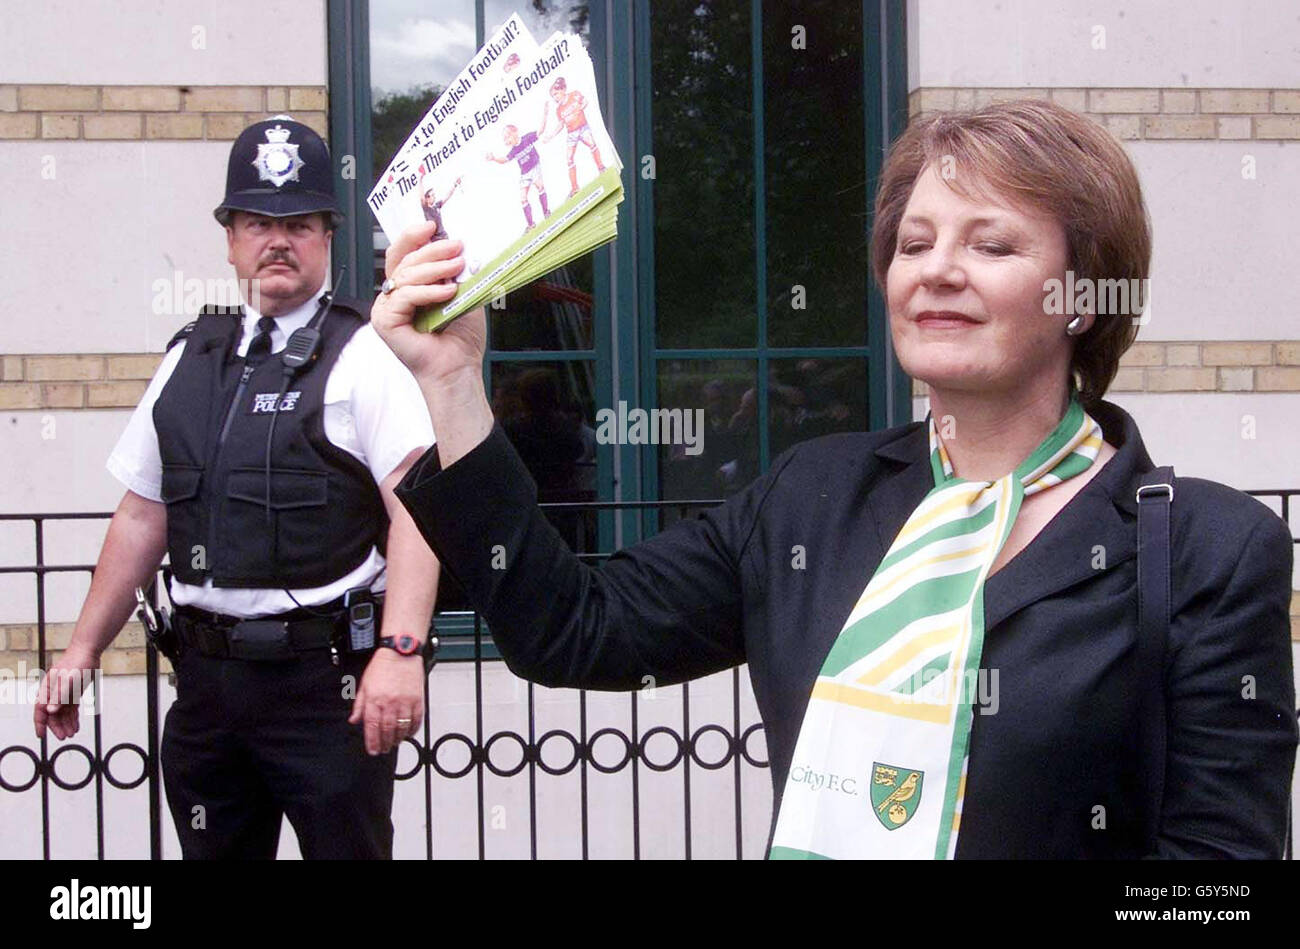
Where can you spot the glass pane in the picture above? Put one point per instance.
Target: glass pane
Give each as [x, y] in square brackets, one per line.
[415, 51]
[704, 173]
[548, 411]
[553, 313]
[815, 180]
[812, 397]
[718, 402]
[542, 17]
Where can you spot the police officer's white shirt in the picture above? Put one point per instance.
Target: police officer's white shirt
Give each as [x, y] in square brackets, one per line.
[374, 410]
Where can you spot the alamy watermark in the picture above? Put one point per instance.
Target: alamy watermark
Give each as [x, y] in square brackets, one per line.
[651, 427]
[1075, 295]
[21, 686]
[179, 295]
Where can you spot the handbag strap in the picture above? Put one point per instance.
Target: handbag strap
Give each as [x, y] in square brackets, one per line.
[1155, 496]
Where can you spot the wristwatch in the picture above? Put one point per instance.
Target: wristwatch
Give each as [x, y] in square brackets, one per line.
[405, 644]
[408, 645]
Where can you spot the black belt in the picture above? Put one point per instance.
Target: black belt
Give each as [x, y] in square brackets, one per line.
[282, 636]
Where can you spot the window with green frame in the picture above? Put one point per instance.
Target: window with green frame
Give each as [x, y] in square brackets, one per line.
[738, 292]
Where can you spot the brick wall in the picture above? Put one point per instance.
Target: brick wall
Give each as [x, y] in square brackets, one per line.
[159, 113]
[1157, 114]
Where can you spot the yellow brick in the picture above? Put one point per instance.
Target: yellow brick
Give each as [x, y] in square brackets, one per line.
[919, 389]
[1295, 602]
[1181, 380]
[123, 662]
[1124, 127]
[1144, 354]
[1178, 126]
[131, 637]
[314, 121]
[306, 98]
[19, 124]
[1234, 126]
[62, 395]
[1277, 379]
[1182, 354]
[1236, 380]
[1076, 99]
[1288, 354]
[60, 125]
[119, 125]
[935, 100]
[1124, 100]
[1128, 380]
[18, 662]
[8, 98]
[1277, 126]
[913, 104]
[19, 396]
[1234, 100]
[57, 98]
[225, 125]
[64, 368]
[133, 367]
[1236, 354]
[224, 99]
[964, 99]
[174, 125]
[141, 99]
[103, 395]
[58, 635]
[21, 637]
[12, 368]
[1284, 100]
[1178, 100]
[277, 99]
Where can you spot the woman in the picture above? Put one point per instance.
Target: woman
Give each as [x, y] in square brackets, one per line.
[939, 619]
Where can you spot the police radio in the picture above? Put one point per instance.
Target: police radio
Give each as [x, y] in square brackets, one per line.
[304, 343]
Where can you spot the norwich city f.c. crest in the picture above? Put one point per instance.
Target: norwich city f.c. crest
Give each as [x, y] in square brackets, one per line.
[277, 161]
[895, 794]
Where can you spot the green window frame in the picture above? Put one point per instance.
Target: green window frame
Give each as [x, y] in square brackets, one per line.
[624, 351]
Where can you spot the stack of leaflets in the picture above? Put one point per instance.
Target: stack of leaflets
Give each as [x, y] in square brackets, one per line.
[514, 161]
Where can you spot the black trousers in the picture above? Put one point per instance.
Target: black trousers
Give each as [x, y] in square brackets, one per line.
[248, 743]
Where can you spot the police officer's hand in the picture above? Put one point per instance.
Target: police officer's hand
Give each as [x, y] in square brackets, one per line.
[58, 699]
[423, 275]
[390, 701]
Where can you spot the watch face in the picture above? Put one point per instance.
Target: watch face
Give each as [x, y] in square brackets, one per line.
[406, 645]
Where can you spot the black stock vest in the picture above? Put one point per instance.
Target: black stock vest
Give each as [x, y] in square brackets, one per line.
[213, 419]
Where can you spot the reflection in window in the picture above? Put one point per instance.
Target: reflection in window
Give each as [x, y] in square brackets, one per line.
[547, 410]
[723, 394]
[811, 397]
[704, 176]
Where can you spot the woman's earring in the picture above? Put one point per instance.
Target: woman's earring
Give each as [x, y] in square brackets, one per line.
[1075, 326]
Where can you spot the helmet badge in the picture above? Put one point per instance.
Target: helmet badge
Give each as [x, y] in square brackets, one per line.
[277, 160]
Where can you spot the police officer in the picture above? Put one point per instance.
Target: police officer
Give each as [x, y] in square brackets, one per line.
[262, 460]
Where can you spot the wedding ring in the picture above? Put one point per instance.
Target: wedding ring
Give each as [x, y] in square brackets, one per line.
[387, 286]
[403, 721]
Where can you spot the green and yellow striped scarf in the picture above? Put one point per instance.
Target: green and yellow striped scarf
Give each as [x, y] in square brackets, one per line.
[879, 769]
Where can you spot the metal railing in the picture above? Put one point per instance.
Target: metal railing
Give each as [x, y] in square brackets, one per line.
[465, 639]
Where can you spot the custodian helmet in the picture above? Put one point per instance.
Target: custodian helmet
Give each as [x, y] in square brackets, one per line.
[279, 167]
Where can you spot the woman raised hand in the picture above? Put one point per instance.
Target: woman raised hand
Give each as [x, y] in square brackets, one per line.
[447, 364]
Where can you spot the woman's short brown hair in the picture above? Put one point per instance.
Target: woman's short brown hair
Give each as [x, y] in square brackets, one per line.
[1052, 160]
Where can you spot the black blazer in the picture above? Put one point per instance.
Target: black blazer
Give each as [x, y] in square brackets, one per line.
[1060, 618]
